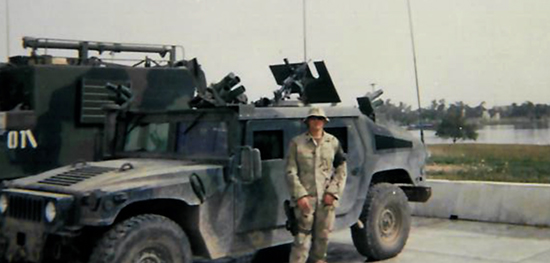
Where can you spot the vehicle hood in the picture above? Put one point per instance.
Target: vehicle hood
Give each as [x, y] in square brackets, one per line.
[120, 175]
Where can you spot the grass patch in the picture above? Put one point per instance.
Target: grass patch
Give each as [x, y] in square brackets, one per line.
[490, 162]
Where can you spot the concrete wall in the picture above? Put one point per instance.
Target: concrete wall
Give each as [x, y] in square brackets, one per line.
[526, 204]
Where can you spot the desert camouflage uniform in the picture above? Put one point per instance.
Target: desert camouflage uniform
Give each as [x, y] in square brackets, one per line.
[310, 172]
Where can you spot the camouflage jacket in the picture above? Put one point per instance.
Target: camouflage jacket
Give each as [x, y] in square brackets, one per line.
[310, 167]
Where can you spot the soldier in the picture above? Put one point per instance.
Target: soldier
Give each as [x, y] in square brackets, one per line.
[316, 176]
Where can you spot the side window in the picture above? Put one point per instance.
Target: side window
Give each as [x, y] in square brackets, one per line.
[342, 134]
[270, 144]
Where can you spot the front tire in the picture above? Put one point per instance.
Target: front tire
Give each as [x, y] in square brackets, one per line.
[143, 239]
[386, 220]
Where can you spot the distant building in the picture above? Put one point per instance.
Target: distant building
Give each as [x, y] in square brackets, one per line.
[485, 115]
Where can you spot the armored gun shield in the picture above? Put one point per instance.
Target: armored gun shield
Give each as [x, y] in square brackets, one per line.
[311, 89]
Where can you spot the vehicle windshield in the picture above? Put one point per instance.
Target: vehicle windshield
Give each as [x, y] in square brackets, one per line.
[194, 138]
[205, 138]
[148, 137]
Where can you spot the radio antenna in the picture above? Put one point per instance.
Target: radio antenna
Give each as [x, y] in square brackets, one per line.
[304, 28]
[7, 28]
[415, 72]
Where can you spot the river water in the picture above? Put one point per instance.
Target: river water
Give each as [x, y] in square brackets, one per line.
[496, 134]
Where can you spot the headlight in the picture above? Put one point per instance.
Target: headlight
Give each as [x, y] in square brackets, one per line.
[3, 204]
[50, 212]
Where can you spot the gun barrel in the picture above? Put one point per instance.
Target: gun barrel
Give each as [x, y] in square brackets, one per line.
[377, 103]
[374, 95]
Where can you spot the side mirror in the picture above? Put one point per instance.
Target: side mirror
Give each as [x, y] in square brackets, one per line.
[250, 165]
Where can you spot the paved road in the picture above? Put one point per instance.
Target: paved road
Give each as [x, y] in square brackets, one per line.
[445, 241]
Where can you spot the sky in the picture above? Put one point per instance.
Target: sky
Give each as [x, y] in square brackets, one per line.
[493, 51]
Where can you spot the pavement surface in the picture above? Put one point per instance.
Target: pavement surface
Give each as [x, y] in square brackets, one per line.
[446, 241]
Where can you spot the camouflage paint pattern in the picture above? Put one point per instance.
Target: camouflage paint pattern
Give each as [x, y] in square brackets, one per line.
[310, 172]
[181, 164]
[309, 168]
[221, 214]
[313, 243]
[54, 93]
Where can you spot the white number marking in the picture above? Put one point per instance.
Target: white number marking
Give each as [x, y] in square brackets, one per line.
[13, 139]
[19, 139]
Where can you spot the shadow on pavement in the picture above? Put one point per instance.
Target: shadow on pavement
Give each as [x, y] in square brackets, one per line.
[337, 253]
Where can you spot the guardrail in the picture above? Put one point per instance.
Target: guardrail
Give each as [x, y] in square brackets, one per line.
[513, 203]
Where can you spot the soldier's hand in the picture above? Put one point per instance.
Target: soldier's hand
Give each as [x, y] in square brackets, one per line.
[328, 199]
[303, 204]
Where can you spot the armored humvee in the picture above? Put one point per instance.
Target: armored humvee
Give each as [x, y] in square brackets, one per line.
[208, 182]
[50, 105]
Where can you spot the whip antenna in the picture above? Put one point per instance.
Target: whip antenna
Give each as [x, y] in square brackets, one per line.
[415, 72]
[7, 29]
[304, 28]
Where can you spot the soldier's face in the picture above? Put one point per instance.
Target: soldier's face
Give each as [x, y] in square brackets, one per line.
[315, 123]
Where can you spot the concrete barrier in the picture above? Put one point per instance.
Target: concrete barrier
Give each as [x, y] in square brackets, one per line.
[514, 203]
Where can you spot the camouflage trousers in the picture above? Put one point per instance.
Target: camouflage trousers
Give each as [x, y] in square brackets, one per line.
[315, 228]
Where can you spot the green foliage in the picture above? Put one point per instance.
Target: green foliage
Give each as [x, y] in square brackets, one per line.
[433, 114]
[527, 110]
[454, 125]
[486, 162]
[401, 113]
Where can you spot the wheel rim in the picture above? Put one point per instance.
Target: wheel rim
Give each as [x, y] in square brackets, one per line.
[152, 255]
[389, 224]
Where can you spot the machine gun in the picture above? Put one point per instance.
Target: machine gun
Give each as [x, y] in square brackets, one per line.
[293, 78]
[294, 83]
[296, 78]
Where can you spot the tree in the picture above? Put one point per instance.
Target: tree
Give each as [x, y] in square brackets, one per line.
[454, 125]
[401, 114]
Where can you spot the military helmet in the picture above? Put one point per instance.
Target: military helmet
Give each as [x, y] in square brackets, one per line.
[316, 112]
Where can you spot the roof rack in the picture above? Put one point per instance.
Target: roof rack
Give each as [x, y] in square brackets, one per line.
[83, 47]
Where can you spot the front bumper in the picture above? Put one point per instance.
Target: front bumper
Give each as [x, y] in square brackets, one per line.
[24, 228]
[417, 193]
[22, 241]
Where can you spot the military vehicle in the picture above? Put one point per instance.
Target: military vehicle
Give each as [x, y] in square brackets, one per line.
[50, 106]
[208, 182]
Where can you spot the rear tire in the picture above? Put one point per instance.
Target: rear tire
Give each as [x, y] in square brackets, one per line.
[144, 239]
[386, 219]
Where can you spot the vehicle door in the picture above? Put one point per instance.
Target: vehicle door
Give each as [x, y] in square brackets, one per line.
[259, 205]
[345, 130]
